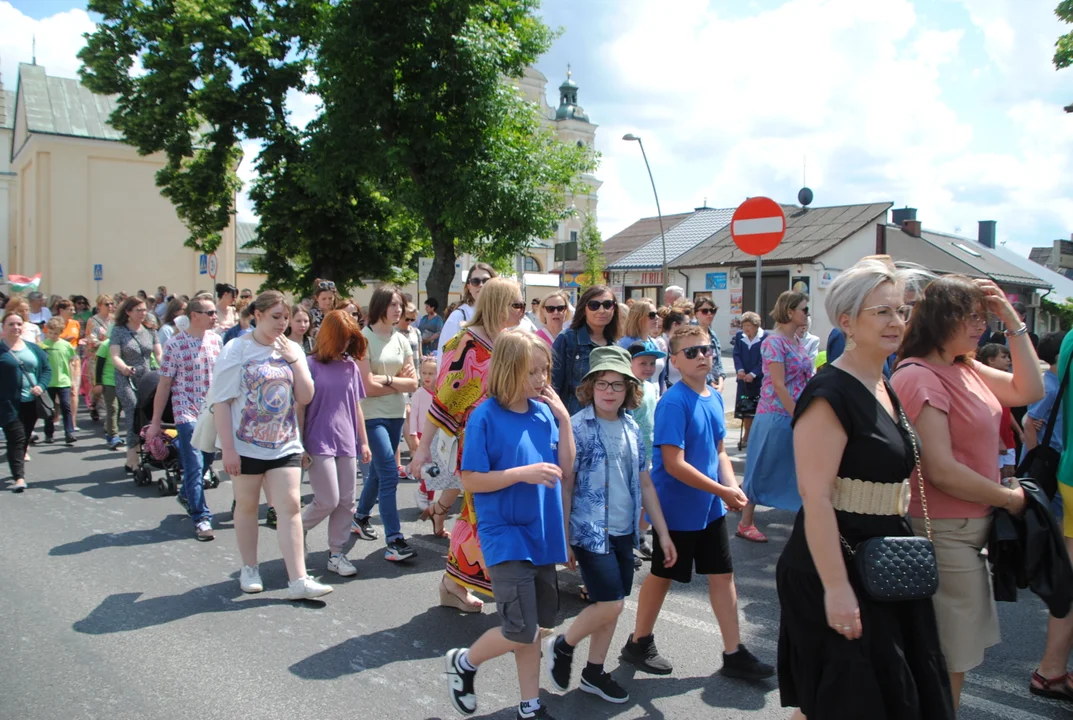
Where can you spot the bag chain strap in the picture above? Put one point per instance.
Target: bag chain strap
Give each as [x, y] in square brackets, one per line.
[920, 481]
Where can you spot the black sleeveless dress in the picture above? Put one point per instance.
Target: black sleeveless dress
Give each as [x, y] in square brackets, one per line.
[895, 670]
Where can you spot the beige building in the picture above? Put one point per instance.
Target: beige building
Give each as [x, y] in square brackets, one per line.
[77, 196]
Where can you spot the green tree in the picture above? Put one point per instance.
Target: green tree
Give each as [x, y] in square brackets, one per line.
[591, 248]
[417, 90]
[1063, 47]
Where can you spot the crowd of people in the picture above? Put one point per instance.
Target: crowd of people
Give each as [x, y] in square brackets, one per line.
[594, 436]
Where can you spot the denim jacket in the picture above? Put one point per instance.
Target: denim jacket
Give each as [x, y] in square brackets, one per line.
[589, 512]
[571, 364]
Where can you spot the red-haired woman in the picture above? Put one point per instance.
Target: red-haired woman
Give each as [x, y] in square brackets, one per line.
[333, 432]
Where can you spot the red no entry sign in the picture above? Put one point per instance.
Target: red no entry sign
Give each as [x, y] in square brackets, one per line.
[758, 226]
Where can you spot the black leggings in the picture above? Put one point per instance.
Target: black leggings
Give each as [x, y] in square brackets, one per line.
[17, 433]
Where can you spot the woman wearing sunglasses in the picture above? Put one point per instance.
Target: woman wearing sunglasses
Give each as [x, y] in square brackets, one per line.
[553, 313]
[478, 275]
[643, 325]
[770, 473]
[595, 325]
[704, 310]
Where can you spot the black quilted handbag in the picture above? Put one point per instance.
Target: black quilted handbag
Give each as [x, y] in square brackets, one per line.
[899, 568]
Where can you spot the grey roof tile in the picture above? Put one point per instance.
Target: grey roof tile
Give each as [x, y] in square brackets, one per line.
[984, 260]
[63, 106]
[630, 238]
[682, 238]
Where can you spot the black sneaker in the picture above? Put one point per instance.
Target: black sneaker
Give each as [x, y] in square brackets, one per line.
[34, 438]
[69, 439]
[541, 713]
[363, 528]
[743, 664]
[558, 664]
[645, 656]
[644, 547]
[399, 550]
[49, 439]
[605, 687]
[637, 562]
[270, 517]
[460, 684]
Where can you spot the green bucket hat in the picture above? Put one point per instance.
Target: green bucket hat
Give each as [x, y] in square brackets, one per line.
[610, 358]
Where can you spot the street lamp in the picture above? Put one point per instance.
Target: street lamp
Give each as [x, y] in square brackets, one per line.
[630, 137]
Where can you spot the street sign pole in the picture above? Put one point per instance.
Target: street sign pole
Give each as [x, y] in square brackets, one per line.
[759, 268]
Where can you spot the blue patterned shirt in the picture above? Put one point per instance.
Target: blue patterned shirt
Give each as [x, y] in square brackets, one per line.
[589, 511]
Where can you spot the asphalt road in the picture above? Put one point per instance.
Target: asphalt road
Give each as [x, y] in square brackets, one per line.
[111, 609]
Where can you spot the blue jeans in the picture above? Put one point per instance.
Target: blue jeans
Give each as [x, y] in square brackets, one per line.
[60, 396]
[382, 475]
[195, 464]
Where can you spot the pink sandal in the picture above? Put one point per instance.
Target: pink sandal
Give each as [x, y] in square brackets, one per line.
[750, 533]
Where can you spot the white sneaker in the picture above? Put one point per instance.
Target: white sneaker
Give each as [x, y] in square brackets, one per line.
[250, 579]
[340, 565]
[421, 499]
[306, 588]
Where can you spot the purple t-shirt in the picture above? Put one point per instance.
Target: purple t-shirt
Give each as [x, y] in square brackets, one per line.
[331, 420]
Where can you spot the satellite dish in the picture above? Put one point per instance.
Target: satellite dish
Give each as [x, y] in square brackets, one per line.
[804, 196]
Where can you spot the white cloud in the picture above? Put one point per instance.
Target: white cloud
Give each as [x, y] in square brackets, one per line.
[59, 38]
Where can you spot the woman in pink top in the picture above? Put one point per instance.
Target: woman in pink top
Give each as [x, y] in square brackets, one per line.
[956, 403]
[554, 312]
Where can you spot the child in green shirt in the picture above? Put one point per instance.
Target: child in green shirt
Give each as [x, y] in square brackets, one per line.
[60, 354]
[104, 382]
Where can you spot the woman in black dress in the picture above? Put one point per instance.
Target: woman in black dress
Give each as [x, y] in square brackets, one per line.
[841, 654]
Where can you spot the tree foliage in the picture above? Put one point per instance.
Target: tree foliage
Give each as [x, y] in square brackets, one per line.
[591, 248]
[1063, 47]
[1063, 311]
[420, 145]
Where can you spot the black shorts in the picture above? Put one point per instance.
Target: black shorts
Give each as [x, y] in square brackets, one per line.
[707, 550]
[256, 466]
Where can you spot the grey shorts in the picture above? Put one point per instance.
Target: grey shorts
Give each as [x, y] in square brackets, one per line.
[527, 598]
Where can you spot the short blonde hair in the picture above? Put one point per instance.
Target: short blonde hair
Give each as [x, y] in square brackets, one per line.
[561, 294]
[637, 319]
[493, 305]
[56, 324]
[687, 331]
[512, 355]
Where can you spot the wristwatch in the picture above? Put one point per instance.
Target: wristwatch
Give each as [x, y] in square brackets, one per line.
[1014, 333]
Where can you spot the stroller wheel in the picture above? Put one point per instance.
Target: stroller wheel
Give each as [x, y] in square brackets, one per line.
[173, 486]
[162, 486]
[141, 476]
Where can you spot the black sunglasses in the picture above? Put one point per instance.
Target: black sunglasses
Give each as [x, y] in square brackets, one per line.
[477, 282]
[326, 285]
[692, 352]
[596, 304]
[802, 309]
[706, 311]
[651, 314]
[518, 305]
[205, 312]
[554, 308]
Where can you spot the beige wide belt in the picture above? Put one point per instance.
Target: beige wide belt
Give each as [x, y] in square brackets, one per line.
[871, 498]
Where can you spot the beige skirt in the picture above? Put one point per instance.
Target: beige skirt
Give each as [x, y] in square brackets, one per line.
[964, 606]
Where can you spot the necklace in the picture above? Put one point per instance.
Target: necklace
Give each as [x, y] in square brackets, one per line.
[254, 336]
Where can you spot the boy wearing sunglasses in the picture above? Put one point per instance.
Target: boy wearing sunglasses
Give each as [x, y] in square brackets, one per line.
[695, 484]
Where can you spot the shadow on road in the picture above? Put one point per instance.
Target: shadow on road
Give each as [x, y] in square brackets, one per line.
[172, 527]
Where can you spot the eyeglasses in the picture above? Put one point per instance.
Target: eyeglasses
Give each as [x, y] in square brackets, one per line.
[205, 312]
[536, 302]
[604, 385]
[109, 304]
[554, 308]
[478, 281]
[651, 314]
[325, 285]
[977, 318]
[595, 305]
[887, 313]
[802, 309]
[518, 305]
[711, 311]
[692, 352]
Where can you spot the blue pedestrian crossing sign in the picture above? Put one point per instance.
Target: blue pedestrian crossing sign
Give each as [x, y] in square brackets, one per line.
[203, 264]
[98, 272]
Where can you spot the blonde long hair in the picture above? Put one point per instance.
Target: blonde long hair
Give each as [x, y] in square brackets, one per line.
[493, 306]
[512, 355]
[637, 319]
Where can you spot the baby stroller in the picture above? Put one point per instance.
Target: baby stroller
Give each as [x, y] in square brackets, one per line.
[163, 452]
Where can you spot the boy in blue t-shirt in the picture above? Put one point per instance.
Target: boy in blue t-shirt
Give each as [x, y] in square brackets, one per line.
[693, 478]
[516, 444]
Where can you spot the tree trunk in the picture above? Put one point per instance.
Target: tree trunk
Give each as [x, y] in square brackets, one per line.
[442, 272]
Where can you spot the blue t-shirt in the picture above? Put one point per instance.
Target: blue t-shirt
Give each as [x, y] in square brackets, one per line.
[522, 521]
[697, 425]
[1042, 410]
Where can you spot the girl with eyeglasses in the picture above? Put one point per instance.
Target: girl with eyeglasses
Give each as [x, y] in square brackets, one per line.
[595, 325]
[478, 275]
[553, 313]
[770, 473]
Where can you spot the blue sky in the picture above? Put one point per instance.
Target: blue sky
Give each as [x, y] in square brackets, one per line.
[949, 106]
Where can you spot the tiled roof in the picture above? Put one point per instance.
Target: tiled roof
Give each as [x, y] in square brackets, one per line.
[985, 261]
[1041, 255]
[245, 233]
[682, 238]
[810, 232]
[626, 241]
[63, 106]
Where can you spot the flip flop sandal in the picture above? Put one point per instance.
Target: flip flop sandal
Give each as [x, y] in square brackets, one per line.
[750, 533]
[1056, 688]
[583, 593]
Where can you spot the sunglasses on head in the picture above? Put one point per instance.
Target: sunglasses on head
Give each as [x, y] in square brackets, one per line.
[478, 281]
[596, 304]
[691, 353]
[518, 305]
[326, 285]
[706, 311]
[554, 308]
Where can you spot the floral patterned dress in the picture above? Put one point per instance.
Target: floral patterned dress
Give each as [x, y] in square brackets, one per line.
[460, 389]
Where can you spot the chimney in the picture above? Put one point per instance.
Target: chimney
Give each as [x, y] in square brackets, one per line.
[987, 234]
[898, 217]
[881, 238]
[911, 227]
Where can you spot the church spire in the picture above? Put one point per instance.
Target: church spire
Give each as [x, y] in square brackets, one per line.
[568, 107]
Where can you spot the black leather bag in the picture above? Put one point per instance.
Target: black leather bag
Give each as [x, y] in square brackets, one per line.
[1041, 462]
[899, 568]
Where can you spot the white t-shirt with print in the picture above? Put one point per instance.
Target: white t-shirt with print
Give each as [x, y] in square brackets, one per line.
[260, 385]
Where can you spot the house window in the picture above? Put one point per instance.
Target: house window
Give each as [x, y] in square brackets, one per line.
[573, 236]
[531, 264]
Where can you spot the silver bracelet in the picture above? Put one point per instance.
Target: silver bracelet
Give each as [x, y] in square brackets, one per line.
[1019, 331]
